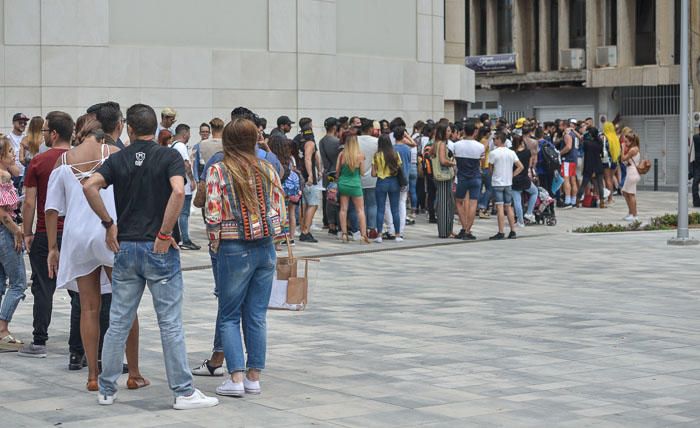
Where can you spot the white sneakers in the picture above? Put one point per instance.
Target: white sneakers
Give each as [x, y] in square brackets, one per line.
[195, 401]
[399, 239]
[232, 389]
[530, 217]
[378, 240]
[631, 218]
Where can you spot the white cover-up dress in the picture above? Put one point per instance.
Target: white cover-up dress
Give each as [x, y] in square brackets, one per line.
[83, 246]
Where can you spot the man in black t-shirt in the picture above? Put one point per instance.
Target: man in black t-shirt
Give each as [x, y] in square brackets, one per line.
[148, 182]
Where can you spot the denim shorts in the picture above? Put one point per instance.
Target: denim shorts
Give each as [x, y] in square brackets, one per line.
[503, 195]
[471, 185]
[312, 195]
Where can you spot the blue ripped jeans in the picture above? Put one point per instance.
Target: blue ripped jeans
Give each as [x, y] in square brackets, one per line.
[244, 273]
[12, 271]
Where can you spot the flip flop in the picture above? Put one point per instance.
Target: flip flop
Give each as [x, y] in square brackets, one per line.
[10, 343]
[137, 382]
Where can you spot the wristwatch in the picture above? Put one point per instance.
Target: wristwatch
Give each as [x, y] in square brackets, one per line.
[108, 224]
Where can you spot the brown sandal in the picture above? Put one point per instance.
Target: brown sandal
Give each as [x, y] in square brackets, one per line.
[137, 382]
[92, 385]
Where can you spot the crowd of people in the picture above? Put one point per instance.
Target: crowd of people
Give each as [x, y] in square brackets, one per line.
[104, 217]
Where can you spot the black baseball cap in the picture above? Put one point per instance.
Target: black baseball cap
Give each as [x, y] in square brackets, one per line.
[284, 120]
[19, 117]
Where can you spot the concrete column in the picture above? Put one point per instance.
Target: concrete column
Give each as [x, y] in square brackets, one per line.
[665, 14]
[593, 40]
[491, 28]
[474, 27]
[455, 31]
[563, 27]
[524, 35]
[545, 35]
[626, 29]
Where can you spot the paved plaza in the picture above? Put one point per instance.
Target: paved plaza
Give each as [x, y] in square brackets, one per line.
[553, 329]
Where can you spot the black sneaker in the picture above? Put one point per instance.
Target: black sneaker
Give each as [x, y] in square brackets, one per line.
[307, 237]
[388, 236]
[76, 361]
[461, 234]
[511, 235]
[190, 246]
[468, 237]
[497, 237]
[333, 232]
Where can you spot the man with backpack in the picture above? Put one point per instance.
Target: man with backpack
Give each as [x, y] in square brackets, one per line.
[548, 161]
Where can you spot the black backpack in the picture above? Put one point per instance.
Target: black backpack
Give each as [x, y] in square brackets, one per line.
[550, 156]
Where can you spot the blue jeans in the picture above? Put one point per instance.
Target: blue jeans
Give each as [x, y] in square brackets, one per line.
[486, 196]
[388, 187]
[518, 201]
[370, 207]
[135, 266]
[12, 270]
[218, 347]
[184, 220]
[412, 179]
[245, 270]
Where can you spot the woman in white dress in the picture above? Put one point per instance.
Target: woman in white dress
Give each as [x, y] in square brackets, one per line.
[85, 262]
[631, 158]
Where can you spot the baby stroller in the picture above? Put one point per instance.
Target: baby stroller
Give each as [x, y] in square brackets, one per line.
[544, 208]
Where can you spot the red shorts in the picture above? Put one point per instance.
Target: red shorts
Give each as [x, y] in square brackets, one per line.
[568, 169]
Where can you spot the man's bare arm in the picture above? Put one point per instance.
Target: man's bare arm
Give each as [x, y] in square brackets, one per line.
[174, 207]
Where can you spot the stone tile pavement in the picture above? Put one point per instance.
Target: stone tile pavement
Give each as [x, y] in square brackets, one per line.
[553, 329]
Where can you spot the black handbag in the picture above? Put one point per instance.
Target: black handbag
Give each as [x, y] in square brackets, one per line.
[403, 180]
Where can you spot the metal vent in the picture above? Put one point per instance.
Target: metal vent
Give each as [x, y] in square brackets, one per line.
[649, 100]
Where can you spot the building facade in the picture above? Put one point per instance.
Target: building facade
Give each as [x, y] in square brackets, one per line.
[583, 58]
[314, 58]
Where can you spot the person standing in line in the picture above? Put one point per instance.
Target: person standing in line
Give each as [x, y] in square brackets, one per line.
[167, 120]
[368, 146]
[197, 162]
[149, 192]
[13, 278]
[522, 183]
[311, 171]
[244, 212]
[502, 160]
[85, 263]
[284, 127]
[696, 169]
[329, 148]
[58, 131]
[403, 149]
[592, 166]
[349, 172]
[386, 166]
[444, 208]
[182, 136]
[468, 156]
[568, 165]
[19, 125]
[29, 147]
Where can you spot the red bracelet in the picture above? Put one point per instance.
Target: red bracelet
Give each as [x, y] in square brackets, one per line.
[163, 237]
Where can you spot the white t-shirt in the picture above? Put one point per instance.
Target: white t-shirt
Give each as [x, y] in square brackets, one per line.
[182, 149]
[502, 160]
[369, 146]
[16, 140]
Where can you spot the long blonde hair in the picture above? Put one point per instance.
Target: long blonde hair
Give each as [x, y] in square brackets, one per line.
[34, 135]
[239, 140]
[351, 151]
[613, 140]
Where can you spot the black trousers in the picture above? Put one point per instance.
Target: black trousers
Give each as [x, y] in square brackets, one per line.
[431, 190]
[420, 193]
[597, 183]
[75, 343]
[43, 287]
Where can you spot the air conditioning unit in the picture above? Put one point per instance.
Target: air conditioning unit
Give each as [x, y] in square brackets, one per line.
[606, 56]
[696, 120]
[573, 59]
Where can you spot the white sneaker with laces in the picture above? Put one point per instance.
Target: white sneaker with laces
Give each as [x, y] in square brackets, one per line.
[356, 236]
[106, 400]
[378, 240]
[629, 217]
[521, 225]
[399, 239]
[196, 400]
[251, 386]
[530, 217]
[231, 389]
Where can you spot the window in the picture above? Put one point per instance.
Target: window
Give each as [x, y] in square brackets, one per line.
[504, 11]
[610, 22]
[577, 24]
[482, 28]
[645, 45]
[677, 35]
[467, 30]
[554, 36]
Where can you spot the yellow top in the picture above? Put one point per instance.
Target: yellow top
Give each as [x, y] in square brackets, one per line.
[382, 170]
